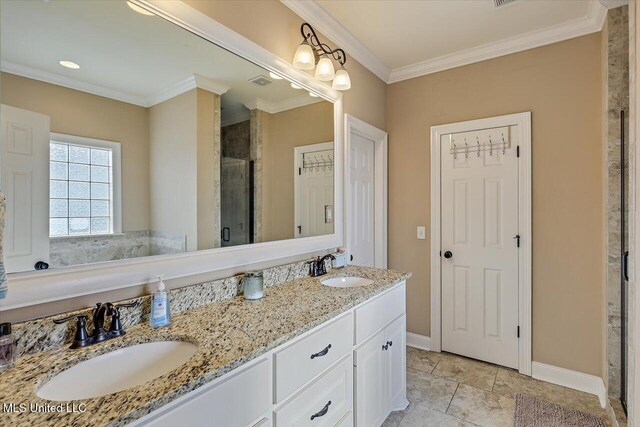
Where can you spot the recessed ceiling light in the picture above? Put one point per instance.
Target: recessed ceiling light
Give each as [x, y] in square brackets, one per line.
[295, 86]
[274, 76]
[69, 64]
[313, 94]
[139, 9]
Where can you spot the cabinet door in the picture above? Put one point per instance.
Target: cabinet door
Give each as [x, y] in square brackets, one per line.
[395, 359]
[371, 390]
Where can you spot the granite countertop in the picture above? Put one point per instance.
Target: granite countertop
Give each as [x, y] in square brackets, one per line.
[228, 334]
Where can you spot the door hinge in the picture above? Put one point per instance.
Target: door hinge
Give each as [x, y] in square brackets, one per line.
[518, 151]
[440, 253]
[299, 229]
[517, 240]
[518, 333]
[299, 171]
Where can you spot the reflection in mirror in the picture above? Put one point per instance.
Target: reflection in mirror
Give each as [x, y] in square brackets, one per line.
[127, 136]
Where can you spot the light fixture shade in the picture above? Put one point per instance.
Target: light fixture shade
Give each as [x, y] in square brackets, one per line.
[313, 95]
[304, 58]
[274, 76]
[342, 81]
[324, 70]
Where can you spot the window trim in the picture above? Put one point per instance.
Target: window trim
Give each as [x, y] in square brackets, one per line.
[116, 171]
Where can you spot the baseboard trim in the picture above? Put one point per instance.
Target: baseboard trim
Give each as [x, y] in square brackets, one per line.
[422, 342]
[571, 379]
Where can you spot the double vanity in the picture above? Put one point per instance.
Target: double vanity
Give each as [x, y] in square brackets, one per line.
[206, 156]
[308, 353]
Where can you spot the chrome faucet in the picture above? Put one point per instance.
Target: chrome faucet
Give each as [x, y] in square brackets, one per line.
[82, 338]
[317, 266]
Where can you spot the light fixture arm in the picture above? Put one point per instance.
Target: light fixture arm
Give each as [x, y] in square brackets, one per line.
[310, 36]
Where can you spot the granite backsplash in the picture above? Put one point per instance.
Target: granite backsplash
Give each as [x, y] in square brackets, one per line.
[42, 334]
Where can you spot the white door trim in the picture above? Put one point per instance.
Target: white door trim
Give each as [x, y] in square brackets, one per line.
[379, 137]
[523, 121]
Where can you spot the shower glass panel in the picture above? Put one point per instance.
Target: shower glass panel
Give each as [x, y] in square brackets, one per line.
[236, 192]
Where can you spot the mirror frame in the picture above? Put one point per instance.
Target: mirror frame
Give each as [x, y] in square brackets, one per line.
[38, 287]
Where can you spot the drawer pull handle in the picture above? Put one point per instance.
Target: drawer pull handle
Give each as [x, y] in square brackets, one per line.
[322, 412]
[321, 353]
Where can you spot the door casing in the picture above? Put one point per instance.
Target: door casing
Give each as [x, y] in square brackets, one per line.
[523, 123]
[379, 139]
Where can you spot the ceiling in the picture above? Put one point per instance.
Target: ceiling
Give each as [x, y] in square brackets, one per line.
[128, 56]
[402, 39]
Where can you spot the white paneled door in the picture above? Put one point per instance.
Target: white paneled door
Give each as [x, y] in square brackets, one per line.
[479, 259]
[361, 213]
[314, 190]
[24, 170]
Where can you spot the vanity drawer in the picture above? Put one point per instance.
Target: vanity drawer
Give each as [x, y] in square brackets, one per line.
[298, 363]
[336, 386]
[376, 314]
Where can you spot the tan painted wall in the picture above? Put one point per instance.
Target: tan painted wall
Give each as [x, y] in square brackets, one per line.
[275, 27]
[307, 125]
[208, 158]
[185, 168]
[79, 113]
[173, 153]
[561, 85]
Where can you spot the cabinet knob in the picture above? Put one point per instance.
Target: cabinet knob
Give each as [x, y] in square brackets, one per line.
[385, 347]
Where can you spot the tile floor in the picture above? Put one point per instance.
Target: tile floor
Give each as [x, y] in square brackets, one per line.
[448, 390]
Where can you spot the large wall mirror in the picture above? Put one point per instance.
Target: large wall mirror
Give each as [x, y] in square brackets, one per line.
[126, 136]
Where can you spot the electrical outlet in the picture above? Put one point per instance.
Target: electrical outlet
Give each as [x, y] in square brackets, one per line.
[422, 232]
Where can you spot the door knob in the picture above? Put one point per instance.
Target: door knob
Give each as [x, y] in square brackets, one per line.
[41, 265]
[448, 254]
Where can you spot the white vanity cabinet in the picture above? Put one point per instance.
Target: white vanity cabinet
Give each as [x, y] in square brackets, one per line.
[380, 375]
[349, 371]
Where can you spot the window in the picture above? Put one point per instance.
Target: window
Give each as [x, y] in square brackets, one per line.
[84, 192]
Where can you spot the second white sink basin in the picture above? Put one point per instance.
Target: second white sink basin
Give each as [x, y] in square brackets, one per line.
[346, 282]
[117, 370]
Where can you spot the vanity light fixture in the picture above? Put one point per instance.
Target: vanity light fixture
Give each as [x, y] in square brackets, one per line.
[139, 9]
[313, 95]
[295, 86]
[312, 51]
[274, 76]
[69, 64]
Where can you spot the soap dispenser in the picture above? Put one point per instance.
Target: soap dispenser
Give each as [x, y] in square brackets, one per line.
[160, 313]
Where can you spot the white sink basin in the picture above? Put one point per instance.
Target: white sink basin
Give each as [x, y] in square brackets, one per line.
[346, 282]
[117, 370]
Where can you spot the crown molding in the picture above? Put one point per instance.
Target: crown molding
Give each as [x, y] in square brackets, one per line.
[68, 82]
[191, 82]
[164, 94]
[284, 105]
[591, 23]
[315, 15]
